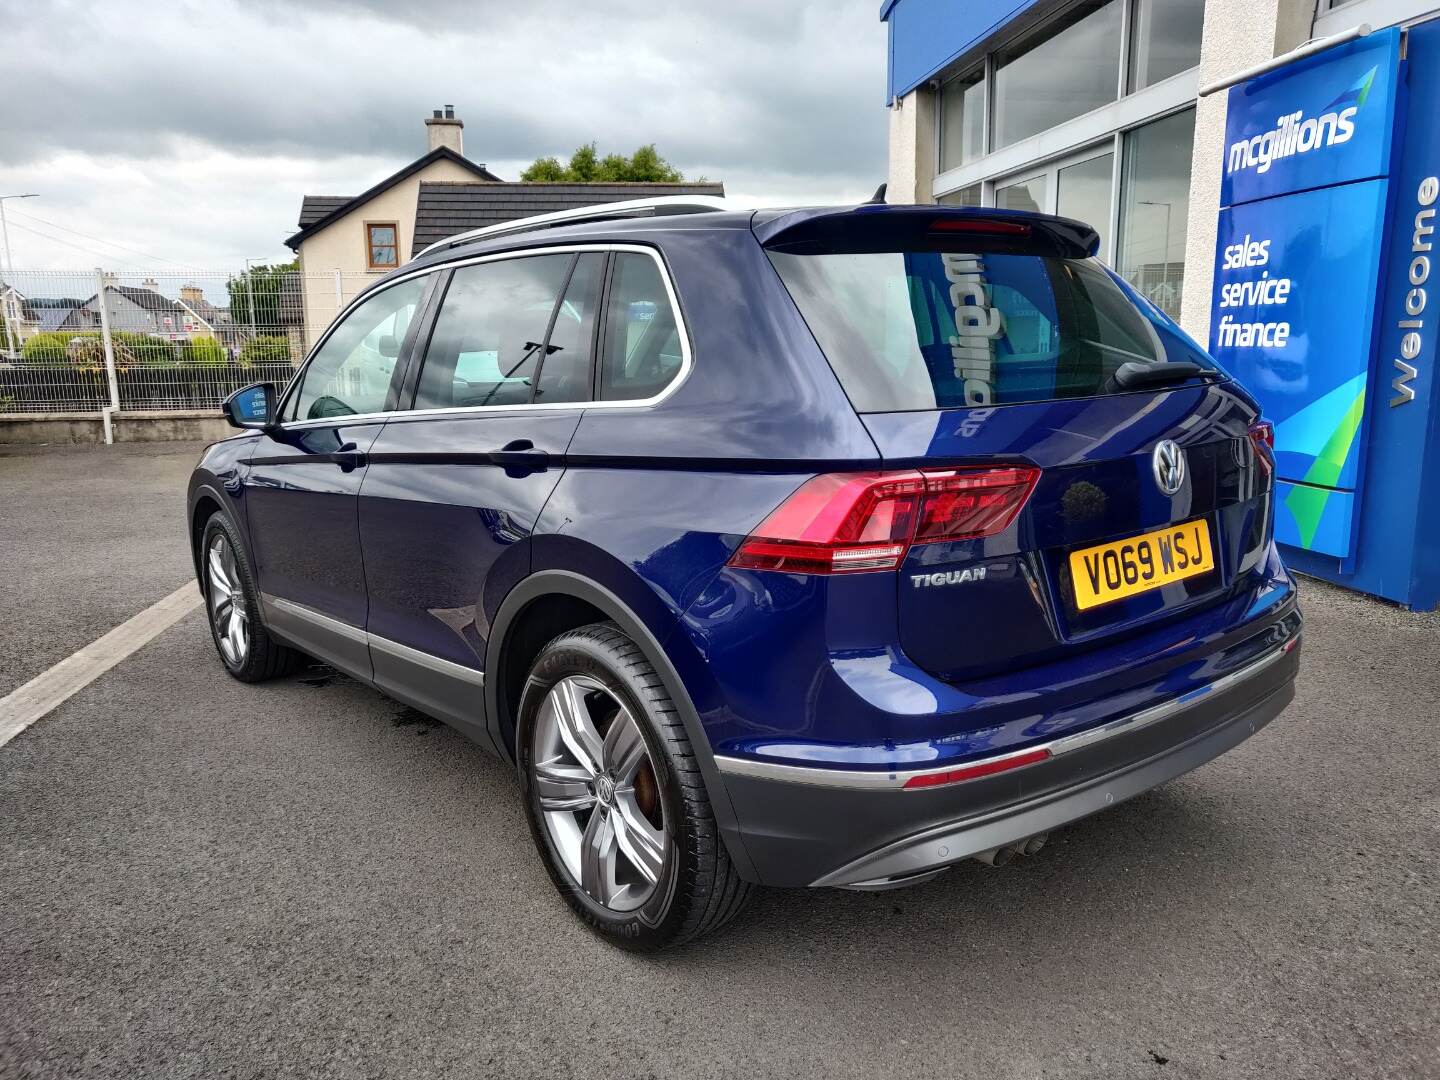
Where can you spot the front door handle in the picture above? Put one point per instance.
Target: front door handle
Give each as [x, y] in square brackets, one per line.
[348, 457]
[521, 455]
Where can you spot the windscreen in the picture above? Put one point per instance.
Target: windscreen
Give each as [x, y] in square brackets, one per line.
[909, 330]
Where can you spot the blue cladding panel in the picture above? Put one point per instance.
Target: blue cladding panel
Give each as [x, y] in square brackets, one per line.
[925, 35]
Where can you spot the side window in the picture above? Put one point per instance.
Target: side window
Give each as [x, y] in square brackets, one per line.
[565, 371]
[351, 372]
[485, 349]
[642, 350]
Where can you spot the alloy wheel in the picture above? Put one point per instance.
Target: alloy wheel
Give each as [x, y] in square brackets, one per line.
[226, 601]
[598, 794]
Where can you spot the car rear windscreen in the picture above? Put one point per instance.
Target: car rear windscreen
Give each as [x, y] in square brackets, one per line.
[909, 330]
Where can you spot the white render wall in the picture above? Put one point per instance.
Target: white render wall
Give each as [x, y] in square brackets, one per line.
[1238, 34]
[912, 148]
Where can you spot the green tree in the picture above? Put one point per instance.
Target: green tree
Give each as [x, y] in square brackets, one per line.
[266, 349]
[586, 166]
[204, 350]
[266, 285]
[86, 349]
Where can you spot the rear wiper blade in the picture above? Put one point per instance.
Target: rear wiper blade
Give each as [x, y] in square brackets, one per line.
[1135, 375]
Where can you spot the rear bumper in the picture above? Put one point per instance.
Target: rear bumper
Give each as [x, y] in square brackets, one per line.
[864, 829]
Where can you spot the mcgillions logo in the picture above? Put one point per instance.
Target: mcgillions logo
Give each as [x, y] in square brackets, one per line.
[1295, 133]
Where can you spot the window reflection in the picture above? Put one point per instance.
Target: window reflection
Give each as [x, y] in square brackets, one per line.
[1026, 195]
[962, 120]
[1155, 202]
[1069, 68]
[1165, 40]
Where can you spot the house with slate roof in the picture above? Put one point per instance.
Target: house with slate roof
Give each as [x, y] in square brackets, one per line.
[434, 197]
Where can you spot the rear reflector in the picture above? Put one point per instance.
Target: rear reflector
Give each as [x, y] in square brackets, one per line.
[840, 523]
[979, 769]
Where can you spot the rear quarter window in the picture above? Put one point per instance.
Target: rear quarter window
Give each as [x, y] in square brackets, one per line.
[912, 330]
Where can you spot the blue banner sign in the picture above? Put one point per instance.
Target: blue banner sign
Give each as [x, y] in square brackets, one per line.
[1298, 255]
[1328, 119]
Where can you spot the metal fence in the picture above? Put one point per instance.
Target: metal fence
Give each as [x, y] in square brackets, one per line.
[130, 340]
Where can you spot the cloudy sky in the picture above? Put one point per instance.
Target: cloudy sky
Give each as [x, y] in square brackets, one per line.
[170, 135]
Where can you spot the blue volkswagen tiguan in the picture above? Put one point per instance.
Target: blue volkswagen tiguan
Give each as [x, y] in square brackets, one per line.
[816, 547]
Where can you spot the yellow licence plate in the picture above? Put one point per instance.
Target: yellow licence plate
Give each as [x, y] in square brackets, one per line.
[1114, 571]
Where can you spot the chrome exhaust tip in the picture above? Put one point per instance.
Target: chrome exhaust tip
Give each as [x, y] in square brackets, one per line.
[1034, 844]
[1001, 856]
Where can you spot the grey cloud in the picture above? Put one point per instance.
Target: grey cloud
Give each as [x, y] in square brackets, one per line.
[794, 88]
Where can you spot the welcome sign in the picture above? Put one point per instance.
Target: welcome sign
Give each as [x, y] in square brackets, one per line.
[1308, 153]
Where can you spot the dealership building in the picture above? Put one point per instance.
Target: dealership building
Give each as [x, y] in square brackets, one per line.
[1267, 172]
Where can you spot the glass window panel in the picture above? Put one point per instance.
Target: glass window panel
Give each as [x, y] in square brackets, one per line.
[1062, 71]
[966, 196]
[565, 371]
[1154, 205]
[1166, 40]
[351, 372]
[1083, 193]
[487, 339]
[962, 120]
[1026, 195]
[927, 329]
[642, 347]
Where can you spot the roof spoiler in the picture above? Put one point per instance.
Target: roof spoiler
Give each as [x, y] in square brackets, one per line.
[878, 227]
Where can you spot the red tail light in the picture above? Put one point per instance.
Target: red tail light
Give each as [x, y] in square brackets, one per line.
[841, 523]
[1262, 438]
[980, 225]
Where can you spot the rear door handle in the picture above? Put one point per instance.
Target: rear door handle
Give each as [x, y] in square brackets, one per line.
[521, 454]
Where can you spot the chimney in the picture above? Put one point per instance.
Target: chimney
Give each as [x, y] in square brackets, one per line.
[443, 129]
[192, 294]
[151, 284]
[109, 280]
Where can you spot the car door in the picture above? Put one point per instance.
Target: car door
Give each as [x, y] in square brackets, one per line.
[304, 478]
[455, 485]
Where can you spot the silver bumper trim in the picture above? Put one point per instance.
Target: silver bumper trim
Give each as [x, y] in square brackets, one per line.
[875, 780]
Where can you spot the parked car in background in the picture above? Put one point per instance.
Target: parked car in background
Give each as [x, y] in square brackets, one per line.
[817, 547]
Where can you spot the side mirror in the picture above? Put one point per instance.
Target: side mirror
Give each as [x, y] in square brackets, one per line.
[251, 406]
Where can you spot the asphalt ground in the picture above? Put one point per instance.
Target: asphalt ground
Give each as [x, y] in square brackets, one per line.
[204, 879]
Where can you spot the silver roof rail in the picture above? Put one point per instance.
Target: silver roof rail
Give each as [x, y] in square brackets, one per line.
[656, 206]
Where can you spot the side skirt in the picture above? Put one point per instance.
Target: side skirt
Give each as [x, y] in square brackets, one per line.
[440, 688]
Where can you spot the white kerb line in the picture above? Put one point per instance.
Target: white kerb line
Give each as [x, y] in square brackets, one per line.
[26, 704]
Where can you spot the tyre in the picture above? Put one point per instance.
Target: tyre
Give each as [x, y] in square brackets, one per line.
[232, 602]
[614, 795]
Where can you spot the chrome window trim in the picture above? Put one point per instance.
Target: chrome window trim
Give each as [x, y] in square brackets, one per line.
[875, 780]
[339, 628]
[687, 362]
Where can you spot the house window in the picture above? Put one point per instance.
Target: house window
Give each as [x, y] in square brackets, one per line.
[382, 245]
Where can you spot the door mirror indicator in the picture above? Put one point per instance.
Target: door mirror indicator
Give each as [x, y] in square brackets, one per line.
[251, 406]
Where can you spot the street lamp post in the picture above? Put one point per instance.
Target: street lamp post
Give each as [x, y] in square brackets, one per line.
[1165, 254]
[250, 291]
[6, 284]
